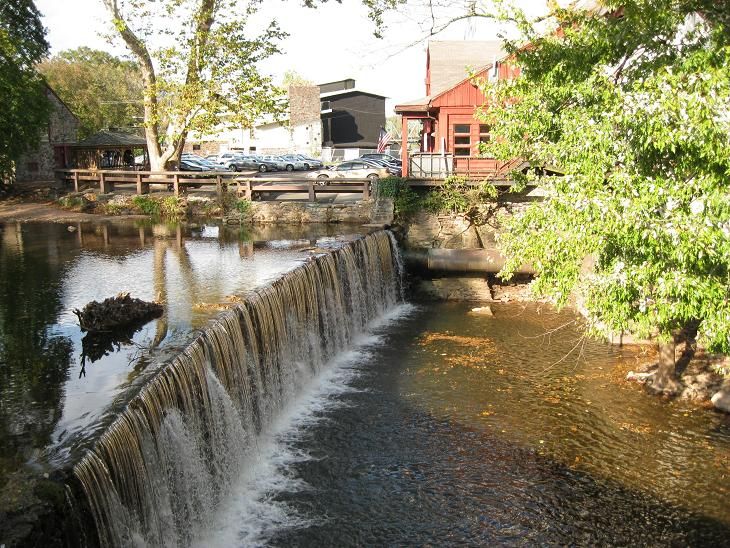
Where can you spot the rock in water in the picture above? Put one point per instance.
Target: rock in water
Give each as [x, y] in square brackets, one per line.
[482, 311]
[116, 312]
[721, 398]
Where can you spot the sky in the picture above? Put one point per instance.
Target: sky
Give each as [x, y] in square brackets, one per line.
[332, 42]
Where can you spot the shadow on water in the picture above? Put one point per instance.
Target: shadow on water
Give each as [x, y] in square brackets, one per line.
[465, 430]
[34, 361]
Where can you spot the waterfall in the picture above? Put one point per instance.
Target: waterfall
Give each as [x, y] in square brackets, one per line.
[158, 473]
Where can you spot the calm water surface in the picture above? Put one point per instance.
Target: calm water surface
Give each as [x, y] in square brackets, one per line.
[56, 384]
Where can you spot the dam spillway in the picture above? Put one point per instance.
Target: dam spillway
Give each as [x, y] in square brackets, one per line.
[160, 470]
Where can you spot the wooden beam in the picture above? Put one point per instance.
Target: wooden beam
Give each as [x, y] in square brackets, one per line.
[404, 145]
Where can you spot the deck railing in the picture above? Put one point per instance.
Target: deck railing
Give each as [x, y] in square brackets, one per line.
[177, 181]
[430, 165]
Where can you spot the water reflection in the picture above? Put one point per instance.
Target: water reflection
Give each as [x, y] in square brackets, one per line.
[34, 361]
[50, 396]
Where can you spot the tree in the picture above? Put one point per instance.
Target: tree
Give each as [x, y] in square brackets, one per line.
[25, 107]
[632, 102]
[198, 66]
[293, 78]
[101, 89]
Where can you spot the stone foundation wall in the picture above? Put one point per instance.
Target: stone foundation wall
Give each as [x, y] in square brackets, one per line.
[439, 231]
[430, 230]
[303, 213]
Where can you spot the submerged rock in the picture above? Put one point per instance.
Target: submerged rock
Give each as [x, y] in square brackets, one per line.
[482, 311]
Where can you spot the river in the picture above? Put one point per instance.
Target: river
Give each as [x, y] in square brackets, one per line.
[429, 426]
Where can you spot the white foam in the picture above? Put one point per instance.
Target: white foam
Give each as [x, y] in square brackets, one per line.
[252, 516]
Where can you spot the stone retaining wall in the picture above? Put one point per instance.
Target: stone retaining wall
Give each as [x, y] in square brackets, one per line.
[304, 213]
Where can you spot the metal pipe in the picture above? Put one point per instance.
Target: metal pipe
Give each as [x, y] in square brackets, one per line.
[489, 261]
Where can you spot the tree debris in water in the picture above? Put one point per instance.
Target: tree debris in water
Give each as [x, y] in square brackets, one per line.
[116, 312]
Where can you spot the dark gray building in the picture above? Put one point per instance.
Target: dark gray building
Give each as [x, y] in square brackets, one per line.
[351, 118]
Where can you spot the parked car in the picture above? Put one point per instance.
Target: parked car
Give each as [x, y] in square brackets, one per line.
[239, 163]
[292, 162]
[227, 156]
[265, 163]
[198, 160]
[186, 164]
[354, 169]
[309, 162]
[382, 156]
[274, 160]
[393, 169]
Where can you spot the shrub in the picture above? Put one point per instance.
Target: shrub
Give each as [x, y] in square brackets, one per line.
[172, 207]
[147, 205]
[114, 209]
[406, 201]
[243, 206]
[74, 203]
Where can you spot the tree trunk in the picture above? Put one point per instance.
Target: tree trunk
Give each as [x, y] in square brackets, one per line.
[665, 379]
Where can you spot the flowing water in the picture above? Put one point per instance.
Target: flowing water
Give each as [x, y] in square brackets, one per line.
[158, 473]
[58, 386]
[321, 410]
[460, 429]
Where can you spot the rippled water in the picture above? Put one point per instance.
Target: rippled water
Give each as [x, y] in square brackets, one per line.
[473, 430]
[438, 428]
[56, 384]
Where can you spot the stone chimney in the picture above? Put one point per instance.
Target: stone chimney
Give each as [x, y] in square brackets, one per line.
[304, 105]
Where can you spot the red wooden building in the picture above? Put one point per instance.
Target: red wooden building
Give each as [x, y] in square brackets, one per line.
[450, 132]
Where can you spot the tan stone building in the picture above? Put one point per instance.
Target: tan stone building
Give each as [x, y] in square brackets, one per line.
[53, 150]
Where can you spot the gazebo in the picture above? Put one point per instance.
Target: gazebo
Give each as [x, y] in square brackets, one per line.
[109, 149]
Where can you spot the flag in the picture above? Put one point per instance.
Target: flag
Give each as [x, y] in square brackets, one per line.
[383, 140]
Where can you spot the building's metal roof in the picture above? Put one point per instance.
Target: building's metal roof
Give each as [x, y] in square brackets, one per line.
[449, 61]
[112, 139]
[349, 91]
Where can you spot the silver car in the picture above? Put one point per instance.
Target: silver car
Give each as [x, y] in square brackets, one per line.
[291, 162]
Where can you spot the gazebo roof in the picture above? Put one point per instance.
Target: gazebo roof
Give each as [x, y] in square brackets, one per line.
[112, 139]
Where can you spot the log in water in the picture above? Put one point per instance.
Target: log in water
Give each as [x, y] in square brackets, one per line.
[159, 472]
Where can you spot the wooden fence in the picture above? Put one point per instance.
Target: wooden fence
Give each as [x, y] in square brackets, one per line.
[177, 181]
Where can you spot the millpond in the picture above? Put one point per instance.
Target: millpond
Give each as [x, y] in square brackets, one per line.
[293, 393]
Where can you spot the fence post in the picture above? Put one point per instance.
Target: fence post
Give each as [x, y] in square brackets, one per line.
[249, 190]
[312, 194]
[76, 181]
[139, 183]
[102, 183]
[176, 184]
[219, 188]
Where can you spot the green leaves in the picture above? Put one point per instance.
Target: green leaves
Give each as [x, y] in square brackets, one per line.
[203, 74]
[101, 89]
[25, 105]
[634, 107]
